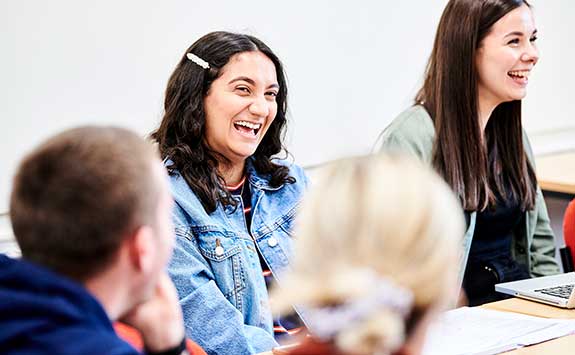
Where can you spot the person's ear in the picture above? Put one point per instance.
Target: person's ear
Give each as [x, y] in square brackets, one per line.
[142, 249]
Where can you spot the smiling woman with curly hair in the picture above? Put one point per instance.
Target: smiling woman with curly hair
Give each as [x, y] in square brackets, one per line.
[224, 122]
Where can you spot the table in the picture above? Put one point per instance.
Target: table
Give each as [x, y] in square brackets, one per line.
[560, 346]
[556, 172]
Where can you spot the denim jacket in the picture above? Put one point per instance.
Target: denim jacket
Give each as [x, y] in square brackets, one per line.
[216, 268]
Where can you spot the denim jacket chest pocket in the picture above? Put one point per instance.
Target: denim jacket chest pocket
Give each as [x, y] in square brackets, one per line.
[223, 252]
[276, 241]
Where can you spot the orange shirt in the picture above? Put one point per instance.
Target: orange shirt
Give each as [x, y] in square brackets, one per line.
[134, 338]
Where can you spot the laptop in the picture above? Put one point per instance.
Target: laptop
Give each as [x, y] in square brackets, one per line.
[556, 290]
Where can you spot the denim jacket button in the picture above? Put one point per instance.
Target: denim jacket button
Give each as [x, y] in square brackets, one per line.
[219, 251]
[272, 242]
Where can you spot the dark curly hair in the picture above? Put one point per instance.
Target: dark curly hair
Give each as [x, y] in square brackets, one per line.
[180, 136]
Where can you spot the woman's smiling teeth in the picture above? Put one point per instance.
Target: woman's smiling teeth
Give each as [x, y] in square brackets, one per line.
[247, 127]
[519, 73]
[520, 77]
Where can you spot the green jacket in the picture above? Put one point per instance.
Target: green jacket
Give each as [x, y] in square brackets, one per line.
[533, 244]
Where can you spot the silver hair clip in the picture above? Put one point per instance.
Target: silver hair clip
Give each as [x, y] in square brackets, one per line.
[199, 61]
[326, 322]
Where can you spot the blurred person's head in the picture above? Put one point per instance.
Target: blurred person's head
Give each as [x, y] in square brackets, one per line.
[92, 204]
[376, 255]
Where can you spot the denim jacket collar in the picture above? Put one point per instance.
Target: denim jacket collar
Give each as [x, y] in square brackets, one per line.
[255, 179]
[258, 181]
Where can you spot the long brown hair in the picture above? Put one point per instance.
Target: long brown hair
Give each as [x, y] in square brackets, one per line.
[449, 94]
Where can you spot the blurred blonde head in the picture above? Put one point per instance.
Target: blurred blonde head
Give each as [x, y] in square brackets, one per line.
[378, 215]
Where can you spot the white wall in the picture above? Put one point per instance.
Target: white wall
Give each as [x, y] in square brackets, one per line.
[7, 243]
[352, 66]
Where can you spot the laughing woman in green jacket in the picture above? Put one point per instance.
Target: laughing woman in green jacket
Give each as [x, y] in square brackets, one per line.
[466, 123]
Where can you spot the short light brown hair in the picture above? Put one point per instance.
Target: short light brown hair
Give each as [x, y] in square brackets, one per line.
[384, 214]
[79, 194]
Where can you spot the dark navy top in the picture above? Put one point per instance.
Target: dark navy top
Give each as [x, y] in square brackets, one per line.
[45, 313]
[490, 260]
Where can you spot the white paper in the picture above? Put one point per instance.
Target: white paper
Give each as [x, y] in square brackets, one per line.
[481, 331]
